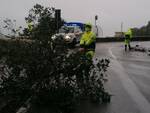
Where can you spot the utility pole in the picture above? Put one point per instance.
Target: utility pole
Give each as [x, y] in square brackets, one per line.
[122, 29]
[96, 18]
[57, 19]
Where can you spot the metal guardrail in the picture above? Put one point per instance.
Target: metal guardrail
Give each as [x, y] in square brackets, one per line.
[121, 39]
[98, 39]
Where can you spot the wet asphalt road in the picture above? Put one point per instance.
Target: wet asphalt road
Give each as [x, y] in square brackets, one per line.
[128, 79]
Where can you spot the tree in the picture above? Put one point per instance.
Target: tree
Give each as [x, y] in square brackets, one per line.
[43, 21]
[143, 31]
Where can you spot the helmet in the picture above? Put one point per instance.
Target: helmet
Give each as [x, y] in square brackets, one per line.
[88, 25]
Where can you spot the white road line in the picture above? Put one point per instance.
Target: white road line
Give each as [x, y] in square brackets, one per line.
[110, 51]
[130, 86]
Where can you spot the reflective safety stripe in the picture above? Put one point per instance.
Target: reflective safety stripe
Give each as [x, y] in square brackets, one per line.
[91, 49]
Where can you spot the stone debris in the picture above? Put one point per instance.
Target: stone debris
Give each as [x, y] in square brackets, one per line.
[141, 49]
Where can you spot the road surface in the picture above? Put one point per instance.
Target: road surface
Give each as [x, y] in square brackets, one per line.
[128, 79]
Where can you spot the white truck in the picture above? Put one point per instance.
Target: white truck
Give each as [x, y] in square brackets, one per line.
[70, 34]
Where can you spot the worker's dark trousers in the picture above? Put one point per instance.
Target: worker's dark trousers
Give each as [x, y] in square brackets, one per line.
[127, 45]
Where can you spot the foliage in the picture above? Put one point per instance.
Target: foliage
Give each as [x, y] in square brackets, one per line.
[48, 79]
[143, 31]
[12, 29]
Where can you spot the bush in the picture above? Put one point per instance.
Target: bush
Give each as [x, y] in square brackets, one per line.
[38, 76]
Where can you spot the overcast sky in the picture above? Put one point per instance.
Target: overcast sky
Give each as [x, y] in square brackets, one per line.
[133, 13]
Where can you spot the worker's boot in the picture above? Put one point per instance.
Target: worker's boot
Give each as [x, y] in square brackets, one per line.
[125, 47]
[129, 47]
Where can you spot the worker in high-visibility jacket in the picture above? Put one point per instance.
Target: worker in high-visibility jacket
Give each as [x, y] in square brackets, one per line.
[128, 37]
[88, 42]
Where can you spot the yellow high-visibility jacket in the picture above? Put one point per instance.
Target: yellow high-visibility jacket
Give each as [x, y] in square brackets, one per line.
[129, 32]
[88, 41]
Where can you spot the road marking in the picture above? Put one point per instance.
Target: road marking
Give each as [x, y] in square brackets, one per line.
[130, 86]
[110, 51]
